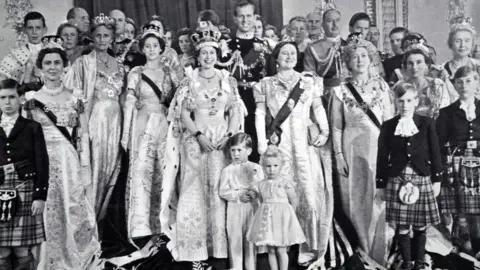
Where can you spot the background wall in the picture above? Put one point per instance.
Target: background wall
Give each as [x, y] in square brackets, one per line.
[427, 17]
[53, 10]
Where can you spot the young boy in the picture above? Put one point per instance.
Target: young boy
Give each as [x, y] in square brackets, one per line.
[23, 181]
[236, 187]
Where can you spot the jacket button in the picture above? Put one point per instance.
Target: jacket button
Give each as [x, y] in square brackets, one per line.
[9, 159]
[408, 155]
[8, 144]
[408, 143]
[8, 152]
[471, 137]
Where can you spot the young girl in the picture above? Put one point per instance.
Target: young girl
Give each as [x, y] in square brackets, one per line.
[236, 185]
[275, 223]
[409, 171]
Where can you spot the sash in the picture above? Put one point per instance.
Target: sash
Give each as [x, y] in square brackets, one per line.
[53, 118]
[152, 85]
[360, 101]
[274, 131]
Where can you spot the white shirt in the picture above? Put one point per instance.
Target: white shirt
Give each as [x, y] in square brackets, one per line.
[8, 122]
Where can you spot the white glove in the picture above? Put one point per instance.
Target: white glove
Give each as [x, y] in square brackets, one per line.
[261, 131]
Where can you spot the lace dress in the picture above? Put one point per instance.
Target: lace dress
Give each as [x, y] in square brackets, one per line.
[71, 227]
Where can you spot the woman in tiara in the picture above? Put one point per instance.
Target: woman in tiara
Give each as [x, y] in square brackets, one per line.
[169, 55]
[433, 93]
[461, 40]
[98, 79]
[150, 90]
[70, 224]
[358, 109]
[206, 111]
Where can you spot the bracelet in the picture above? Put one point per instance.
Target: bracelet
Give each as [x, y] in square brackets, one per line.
[198, 133]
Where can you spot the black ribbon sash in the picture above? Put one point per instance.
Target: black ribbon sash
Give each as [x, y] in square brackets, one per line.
[360, 101]
[283, 113]
[53, 118]
[152, 85]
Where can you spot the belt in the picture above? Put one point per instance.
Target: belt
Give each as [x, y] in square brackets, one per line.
[246, 84]
[19, 168]
[473, 144]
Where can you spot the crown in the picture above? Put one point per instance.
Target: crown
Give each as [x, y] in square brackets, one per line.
[151, 29]
[102, 19]
[49, 42]
[461, 23]
[206, 35]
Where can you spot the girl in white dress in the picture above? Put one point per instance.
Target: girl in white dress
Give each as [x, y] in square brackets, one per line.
[275, 223]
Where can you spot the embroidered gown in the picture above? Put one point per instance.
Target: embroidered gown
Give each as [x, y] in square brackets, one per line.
[146, 122]
[70, 224]
[358, 142]
[199, 204]
[102, 93]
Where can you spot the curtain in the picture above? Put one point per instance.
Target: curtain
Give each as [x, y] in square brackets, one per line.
[182, 13]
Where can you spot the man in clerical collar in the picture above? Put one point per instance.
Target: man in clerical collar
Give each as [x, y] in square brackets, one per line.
[122, 44]
[79, 17]
[253, 53]
[19, 64]
[324, 56]
[395, 62]
[314, 25]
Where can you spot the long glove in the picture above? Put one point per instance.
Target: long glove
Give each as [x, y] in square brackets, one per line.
[261, 131]
[127, 122]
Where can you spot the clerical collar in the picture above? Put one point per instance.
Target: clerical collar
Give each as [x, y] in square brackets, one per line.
[333, 39]
[245, 35]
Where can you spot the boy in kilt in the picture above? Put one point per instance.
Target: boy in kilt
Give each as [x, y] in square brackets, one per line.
[458, 128]
[23, 181]
[409, 172]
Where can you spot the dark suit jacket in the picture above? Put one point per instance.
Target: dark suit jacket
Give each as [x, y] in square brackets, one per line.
[421, 150]
[26, 142]
[454, 128]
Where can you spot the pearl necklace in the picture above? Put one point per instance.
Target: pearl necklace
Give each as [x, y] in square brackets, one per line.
[208, 79]
[52, 92]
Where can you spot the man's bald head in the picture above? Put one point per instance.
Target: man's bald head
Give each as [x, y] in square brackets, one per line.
[119, 18]
[314, 23]
[78, 17]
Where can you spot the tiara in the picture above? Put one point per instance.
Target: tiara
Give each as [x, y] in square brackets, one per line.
[130, 21]
[49, 42]
[103, 20]
[207, 35]
[461, 22]
[151, 29]
[356, 40]
[156, 18]
[418, 42]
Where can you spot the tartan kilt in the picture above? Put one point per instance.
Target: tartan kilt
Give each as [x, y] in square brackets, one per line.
[422, 213]
[24, 229]
[468, 203]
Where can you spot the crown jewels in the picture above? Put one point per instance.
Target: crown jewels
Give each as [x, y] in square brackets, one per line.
[151, 29]
[461, 23]
[206, 35]
[356, 40]
[102, 19]
[49, 42]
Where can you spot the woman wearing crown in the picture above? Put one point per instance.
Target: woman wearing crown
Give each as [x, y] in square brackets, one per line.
[433, 92]
[461, 40]
[206, 111]
[150, 90]
[359, 106]
[70, 224]
[99, 79]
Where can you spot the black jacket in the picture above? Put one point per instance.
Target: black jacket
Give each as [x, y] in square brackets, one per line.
[421, 150]
[454, 128]
[26, 142]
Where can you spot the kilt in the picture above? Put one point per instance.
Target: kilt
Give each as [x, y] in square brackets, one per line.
[422, 213]
[465, 197]
[24, 229]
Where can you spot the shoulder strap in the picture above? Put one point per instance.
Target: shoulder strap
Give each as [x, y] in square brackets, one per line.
[360, 101]
[155, 88]
[284, 113]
